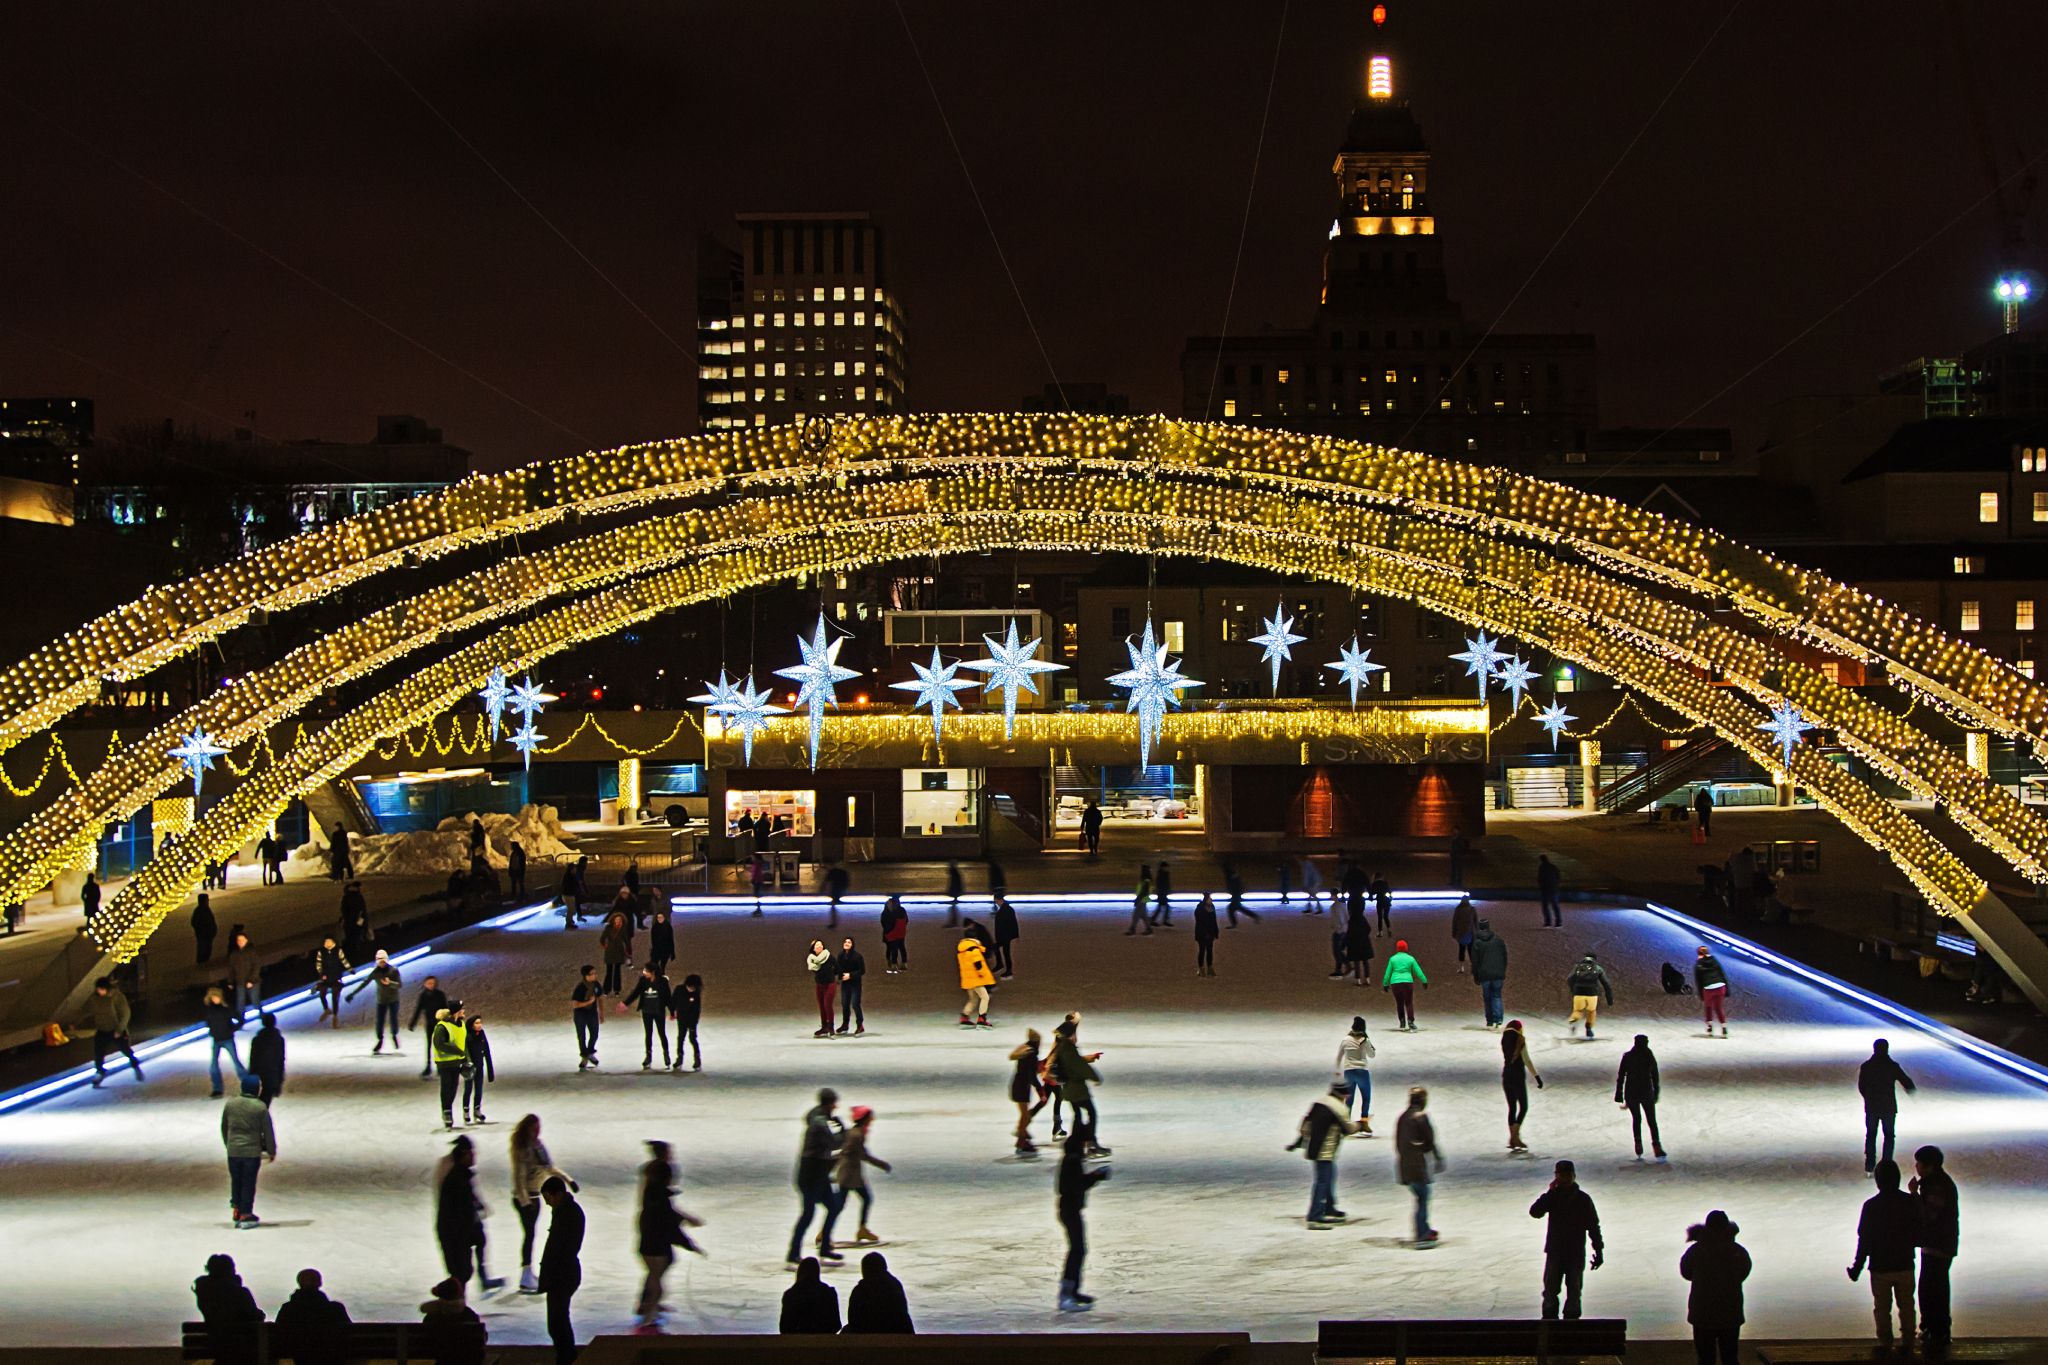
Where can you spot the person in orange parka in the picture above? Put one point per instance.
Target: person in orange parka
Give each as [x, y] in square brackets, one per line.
[975, 979]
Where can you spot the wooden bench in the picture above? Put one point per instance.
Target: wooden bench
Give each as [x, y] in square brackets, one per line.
[401, 1342]
[1483, 1339]
[1981, 1352]
[994, 1348]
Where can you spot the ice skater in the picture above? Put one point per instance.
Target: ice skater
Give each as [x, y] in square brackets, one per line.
[1140, 898]
[1878, 1080]
[427, 1005]
[689, 1010]
[1934, 1194]
[330, 965]
[1383, 902]
[448, 1046]
[1076, 1072]
[1573, 1223]
[823, 1136]
[975, 979]
[1489, 971]
[1711, 981]
[1464, 924]
[615, 941]
[1415, 1151]
[651, 993]
[108, 1012]
[852, 968]
[1517, 1069]
[1205, 936]
[663, 1228]
[1715, 1265]
[1549, 885]
[1354, 1072]
[1319, 1137]
[221, 1024]
[1027, 1091]
[586, 1008]
[531, 1168]
[459, 1216]
[250, 1139]
[661, 940]
[1887, 1235]
[849, 1176]
[390, 983]
[1401, 976]
[245, 973]
[1311, 886]
[1637, 1086]
[837, 879]
[955, 887]
[561, 1266]
[1358, 943]
[824, 984]
[266, 1057]
[481, 1068]
[1587, 983]
[1233, 887]
[1004, 917]
[1070, 1189]
[895, 936]
[1162, 894]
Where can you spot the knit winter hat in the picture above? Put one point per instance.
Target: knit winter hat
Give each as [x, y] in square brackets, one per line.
[861, 1113]
[1400, 945]
[1358, 1023]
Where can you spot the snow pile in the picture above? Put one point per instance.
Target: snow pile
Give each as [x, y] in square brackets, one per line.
[445, 848]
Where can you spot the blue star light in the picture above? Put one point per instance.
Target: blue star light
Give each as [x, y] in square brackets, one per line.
[495, 693]
[197, 754]
[1009, 667]
[1154, 685]
[1554, 718]
[817, 677]
[1515, 676]
[935, 687]
[1480, 658]
[718, 698]
[526, 739]
[1786, 726]
[1355, 666]
[749, 714]
[1279, 641]
[529, 697]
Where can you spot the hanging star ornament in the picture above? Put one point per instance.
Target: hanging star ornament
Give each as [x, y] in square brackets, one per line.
[1355, 666]
[528, 697]
[1154, 684]
[749, 714]
[817, 677]
[718, 697]
[1279, 641]
[935, 687]
[1515, 675]
[197, 754]
[1009, 667]
[1786, 725]
[526, 740]
[1554, 718]
[1480, 658]
[495, 694]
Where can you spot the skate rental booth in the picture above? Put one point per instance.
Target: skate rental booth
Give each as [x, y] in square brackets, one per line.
[503, 572]
[1260, 777]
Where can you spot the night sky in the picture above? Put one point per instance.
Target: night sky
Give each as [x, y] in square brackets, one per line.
[1812, 146]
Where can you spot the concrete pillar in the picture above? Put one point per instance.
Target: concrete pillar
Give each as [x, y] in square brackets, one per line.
[2014, 946]
[1589, 767]
[630, 794]
[1977, 750]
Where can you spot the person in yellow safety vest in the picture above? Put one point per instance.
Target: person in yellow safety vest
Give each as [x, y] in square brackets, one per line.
[450, 1052]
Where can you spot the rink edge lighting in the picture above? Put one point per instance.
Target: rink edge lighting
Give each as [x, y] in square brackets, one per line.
[81, 1077]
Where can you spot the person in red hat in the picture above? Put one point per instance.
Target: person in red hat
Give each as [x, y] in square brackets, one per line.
[1401, 975]
[848, 1174]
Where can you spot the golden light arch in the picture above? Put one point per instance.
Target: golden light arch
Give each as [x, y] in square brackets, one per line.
[1621, 590]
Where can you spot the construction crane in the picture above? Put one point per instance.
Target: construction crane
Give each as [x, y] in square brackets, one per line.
[2010, 174]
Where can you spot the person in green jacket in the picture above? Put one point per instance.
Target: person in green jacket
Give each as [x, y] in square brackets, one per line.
[246, 1133]
[1401, 975]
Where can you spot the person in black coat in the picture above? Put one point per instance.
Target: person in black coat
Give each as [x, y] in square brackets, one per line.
[1358, 942]
[663, 1228]
[1887, 1236]
[355, 920]
[229, 1311]
[1934, 1192]
[1716, 1265]
[1549, 882]
[205, 928]
[458, 1216]
[561, 1265]
[878, 1303]
[852, 967]
[661, 941]
[330, 966]
[689, 1011]
[310, 1326]
[428, 1006]
[266, 1058]
[1638, 1086]
[1007, 933]
[810, 1307]
[655, 999]
[1573, 1223]
[1070, 1189]
[836, 882]
[1162, 893]
[1205, 936]
[482, 1067]
[1879, 1080]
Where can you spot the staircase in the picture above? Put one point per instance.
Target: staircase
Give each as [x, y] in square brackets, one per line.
[1643, 786]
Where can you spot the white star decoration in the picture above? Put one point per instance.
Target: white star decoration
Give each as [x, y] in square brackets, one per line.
[197, 754]
[494, 694]
[1009, 667]
[817, 677]
[718, 698]
[1479, 658]
[1515, 676]
[529, 697]
[526, 739]
[1279, 641]
[1154, 685]
[1355, 666]
[935, 687]
[1554, 718]
[1786, 726]
[749, 714]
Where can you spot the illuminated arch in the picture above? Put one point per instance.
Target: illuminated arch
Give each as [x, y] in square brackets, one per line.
[1614, 587]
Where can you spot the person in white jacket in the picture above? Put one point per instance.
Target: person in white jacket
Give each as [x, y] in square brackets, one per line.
[1354, 1071]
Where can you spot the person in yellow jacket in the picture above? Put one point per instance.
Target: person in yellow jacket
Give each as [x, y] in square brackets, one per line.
[449, 1049]
[975, 979]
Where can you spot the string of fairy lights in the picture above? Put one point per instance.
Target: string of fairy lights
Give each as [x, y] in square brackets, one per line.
[1144, 484]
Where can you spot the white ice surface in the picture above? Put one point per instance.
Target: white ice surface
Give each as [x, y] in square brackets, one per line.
[1204, 1080]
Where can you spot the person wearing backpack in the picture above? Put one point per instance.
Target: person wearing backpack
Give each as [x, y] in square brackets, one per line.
[1587, 983]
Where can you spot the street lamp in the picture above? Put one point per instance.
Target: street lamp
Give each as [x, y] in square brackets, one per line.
[2012, 291]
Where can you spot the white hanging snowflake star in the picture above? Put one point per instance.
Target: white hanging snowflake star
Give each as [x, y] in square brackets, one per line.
[749, 714]
[1279, 641]
[1355, 667]
[495, 694]
[817, 678]
[197, 754]
[1154, 685]
[1480, 658]
[529, 697]
[1515, 675]
[526, 740]
[1786, 725]
[935, 687]
[718, 698]
[1554, 718]
[1009, 667]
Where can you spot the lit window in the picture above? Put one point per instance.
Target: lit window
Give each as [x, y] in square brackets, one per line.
[1393, 376]
[1987, 508]
[819, 293]
[839, 367]
[860, 318]
[2041, 506]
[778, 319]
[1175, 636]
[760, 319]
[2023, 614]
[760, 395]
[760, 369]
[2027, 460]
[860, 367]
[782, 395]
[838, 293]
[860, 393]
[839, 319]
[1831, 670]
[1230, 407]
[781, 369]
[1282, 376]
[1972, 614]
[1969, 563]
[2025, 667]
[860, 292]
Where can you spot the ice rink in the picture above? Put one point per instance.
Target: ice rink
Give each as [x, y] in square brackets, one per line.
[114, 1198]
